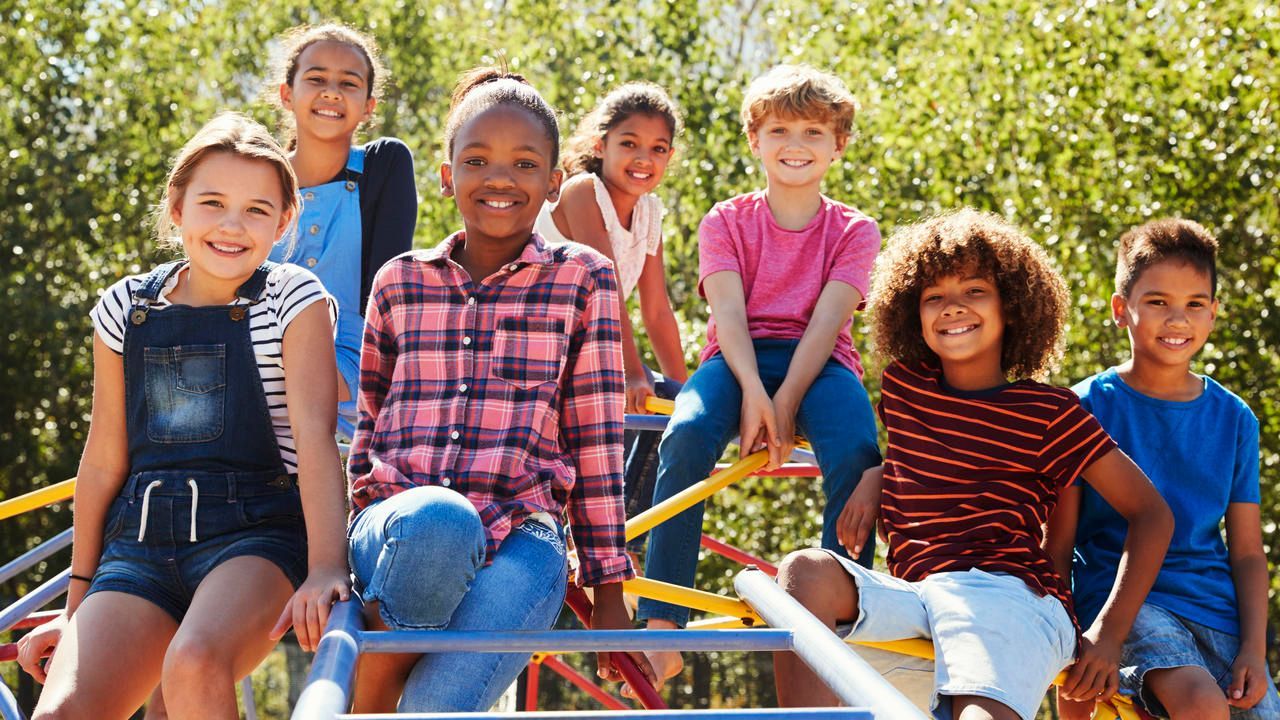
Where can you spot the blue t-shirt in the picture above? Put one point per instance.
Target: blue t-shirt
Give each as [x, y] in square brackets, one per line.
[1201, 455]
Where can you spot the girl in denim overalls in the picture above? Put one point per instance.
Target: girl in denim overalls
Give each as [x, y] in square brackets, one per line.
[359, 203]
[191, 555]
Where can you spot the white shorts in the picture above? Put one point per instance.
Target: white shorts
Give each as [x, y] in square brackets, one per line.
[992, 636]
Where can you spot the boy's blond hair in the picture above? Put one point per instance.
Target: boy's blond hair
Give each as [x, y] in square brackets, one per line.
[799, 91]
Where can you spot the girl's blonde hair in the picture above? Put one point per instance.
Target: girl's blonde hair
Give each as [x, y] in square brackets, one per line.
[295, 40]
[233, 134]
[633, 98]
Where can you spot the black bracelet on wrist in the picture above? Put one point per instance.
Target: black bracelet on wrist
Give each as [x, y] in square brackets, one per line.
[81, 578]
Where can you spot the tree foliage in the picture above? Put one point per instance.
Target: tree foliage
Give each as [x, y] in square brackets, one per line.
[1076, 120]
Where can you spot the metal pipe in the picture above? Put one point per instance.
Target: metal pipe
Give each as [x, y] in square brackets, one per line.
[580, 681]
[9, 709]
[34, 600]
[577, 600]
[328, 690]
[432, 641]
[690, 598]
[47, 495]
[850, 677]
[34, 555]
[736, 555]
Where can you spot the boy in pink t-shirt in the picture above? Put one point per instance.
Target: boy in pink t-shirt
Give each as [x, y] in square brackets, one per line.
[783, 270]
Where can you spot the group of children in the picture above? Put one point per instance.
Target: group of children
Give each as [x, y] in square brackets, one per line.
[491, 375]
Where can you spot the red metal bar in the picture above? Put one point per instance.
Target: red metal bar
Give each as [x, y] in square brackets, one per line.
[564, 670]
[531, 687]
[35, 619]
[578, 601]
[737, 555]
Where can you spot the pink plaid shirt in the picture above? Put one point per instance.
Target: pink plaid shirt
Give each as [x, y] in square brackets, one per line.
[509, 392]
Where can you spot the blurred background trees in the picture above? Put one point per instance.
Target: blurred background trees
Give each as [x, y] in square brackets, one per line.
[1076, 120]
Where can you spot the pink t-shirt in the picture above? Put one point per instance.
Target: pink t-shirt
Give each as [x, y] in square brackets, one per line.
[784, 271]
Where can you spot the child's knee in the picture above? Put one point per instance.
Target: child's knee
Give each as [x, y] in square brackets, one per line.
[1187, 693]
[196, 660]
[434, 519]
[818, 582]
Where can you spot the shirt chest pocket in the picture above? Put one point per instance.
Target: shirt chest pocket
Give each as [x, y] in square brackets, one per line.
[529, 351]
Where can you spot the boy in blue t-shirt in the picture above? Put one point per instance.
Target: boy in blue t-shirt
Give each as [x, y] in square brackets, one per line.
[1197, 647]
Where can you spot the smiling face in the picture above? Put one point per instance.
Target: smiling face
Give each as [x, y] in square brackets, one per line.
[329, 95]
[1169, 313]
[501, 172]
[635, 153]
[796, 152]
[230, 214]
[962, 320]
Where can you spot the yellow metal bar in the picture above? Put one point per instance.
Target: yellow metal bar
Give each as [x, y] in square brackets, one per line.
[659, 406]
[690, 598]
[717, 623]
[694, 494]
[38, 498]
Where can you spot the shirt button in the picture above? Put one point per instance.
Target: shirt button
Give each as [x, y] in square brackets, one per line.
[309, 196]
[445, 481]
[471, 299]
[513, 267]
[462, 388]
[351, 185]
[455, 435]
[311, 262]
[466, 340]
[313, 229]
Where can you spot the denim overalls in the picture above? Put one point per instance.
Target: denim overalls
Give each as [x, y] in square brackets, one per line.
[206, 482]
[329, 244]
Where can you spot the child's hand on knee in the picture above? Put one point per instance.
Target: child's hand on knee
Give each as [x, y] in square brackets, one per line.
[861, 512]
[759, 427]
[42, 641]
[1248, 681]
[1095, 675]
[308, 610]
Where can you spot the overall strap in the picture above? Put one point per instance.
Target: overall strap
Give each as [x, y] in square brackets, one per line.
[149, 292]
[355, 161]
[252, 288]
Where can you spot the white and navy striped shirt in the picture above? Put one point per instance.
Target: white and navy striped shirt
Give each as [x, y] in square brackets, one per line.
[290, 289]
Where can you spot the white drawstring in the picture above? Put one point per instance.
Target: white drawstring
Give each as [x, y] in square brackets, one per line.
[146, 505]
[195, 504]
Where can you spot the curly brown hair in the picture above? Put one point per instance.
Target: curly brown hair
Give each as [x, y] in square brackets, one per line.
[1032, 293]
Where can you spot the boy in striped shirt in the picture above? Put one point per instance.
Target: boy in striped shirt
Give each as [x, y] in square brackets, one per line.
[970, 310]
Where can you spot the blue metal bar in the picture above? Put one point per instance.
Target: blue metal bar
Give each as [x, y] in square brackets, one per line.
[854, 681]
[26, 560]
[425, 641]
[9, 709]
[246, 697]
[34, 600]
[328, 690]
[737, 714]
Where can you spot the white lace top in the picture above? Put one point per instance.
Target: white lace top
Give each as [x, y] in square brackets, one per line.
[630, 247]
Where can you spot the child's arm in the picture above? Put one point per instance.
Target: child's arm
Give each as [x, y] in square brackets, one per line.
[103, 469]
[591, 431]
[1249, 571]
[308, 360]
[834, 308]
[586, 226]
[1059, 542]
[395, 215]
[378, 354]
[660, 319]
[757, 426]
[1127, 489]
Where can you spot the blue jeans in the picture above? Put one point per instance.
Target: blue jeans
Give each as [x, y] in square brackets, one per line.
[640, 470]
[420, 554]
[835, 416]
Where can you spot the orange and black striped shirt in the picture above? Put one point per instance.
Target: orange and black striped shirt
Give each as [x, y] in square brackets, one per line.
[971, 478]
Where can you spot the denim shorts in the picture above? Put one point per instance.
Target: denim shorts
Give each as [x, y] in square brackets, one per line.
[148, 546]
[1160, 640]
[992, 636]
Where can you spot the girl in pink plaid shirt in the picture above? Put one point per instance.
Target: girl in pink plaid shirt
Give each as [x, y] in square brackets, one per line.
[491, 398]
